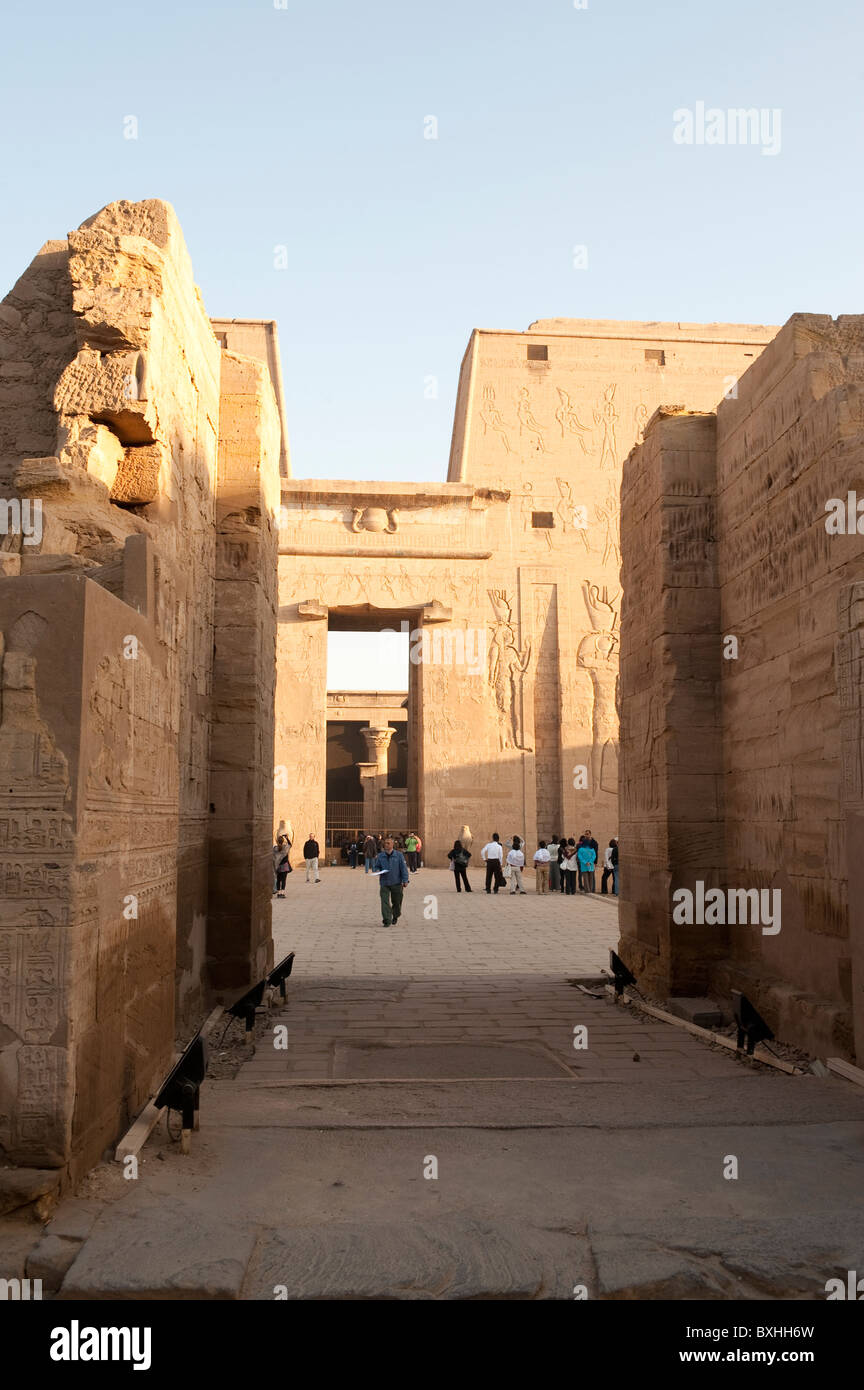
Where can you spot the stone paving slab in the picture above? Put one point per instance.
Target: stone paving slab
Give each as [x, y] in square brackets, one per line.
[449, 1258]
[646, 1191]
[726, 1259]
[444, 1059]
[161, 1247]
[744, 1097]
[330, 1035]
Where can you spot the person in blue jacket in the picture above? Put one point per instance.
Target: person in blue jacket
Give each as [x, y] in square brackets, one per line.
[390, 865]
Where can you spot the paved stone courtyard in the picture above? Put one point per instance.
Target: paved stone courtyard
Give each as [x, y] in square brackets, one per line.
[429, 1131]
[335, 928]
[484, 991]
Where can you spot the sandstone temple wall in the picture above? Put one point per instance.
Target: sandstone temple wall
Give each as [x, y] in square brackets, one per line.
[768, 794]
[519, 550]
[157, 501]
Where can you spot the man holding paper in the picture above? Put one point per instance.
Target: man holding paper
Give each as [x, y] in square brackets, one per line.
[393, 875]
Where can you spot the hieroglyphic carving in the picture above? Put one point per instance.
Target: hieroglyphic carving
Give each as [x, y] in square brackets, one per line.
[38, 1119]
[36, 839]
[640, 420]
[30, 982]
[507, 667]
[133, 718]
[35, 830]
[353, 583]
[850, 688]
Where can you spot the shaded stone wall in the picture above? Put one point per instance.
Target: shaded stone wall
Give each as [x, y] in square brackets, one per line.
[89, 821]
[108, 620]
[671, 749]
[783, 658]
[239, 947]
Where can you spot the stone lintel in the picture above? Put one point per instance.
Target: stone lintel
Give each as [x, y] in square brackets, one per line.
[369, 493]
[356, 552]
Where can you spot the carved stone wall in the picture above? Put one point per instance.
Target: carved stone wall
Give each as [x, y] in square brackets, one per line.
[89, 890]
[522, 547]
[108, 617]
[787, 637]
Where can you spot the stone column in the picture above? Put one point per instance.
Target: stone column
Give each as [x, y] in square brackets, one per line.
[373, 773]
[239, 945]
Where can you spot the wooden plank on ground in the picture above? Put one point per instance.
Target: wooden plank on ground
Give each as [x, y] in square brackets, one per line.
[845, 1069]
[761, 1054]
[139, 1132]
[210, 1021]
[142, 1127]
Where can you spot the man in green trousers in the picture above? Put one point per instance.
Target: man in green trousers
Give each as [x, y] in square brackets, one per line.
[393, 876]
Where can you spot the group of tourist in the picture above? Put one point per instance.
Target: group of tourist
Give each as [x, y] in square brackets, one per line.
[560, 865]
[368, 847]
[557, 865]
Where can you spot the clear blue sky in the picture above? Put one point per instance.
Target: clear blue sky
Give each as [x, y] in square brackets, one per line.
[303, 127]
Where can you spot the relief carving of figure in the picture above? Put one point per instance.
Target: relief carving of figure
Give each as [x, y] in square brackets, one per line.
[507, 666]
[571, 516]
[598, 655]
[527, 423]
[609, 515]
[569, 420]
[492, 418]
[607, 416]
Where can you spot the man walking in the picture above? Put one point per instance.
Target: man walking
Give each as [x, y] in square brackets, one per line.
[493, 854]
[310, 854]
[393, 870]
[369, 852]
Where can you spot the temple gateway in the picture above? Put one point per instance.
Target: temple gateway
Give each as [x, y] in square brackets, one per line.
[621, 500]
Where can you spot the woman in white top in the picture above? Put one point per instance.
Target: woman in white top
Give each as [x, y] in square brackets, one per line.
[516, 861]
